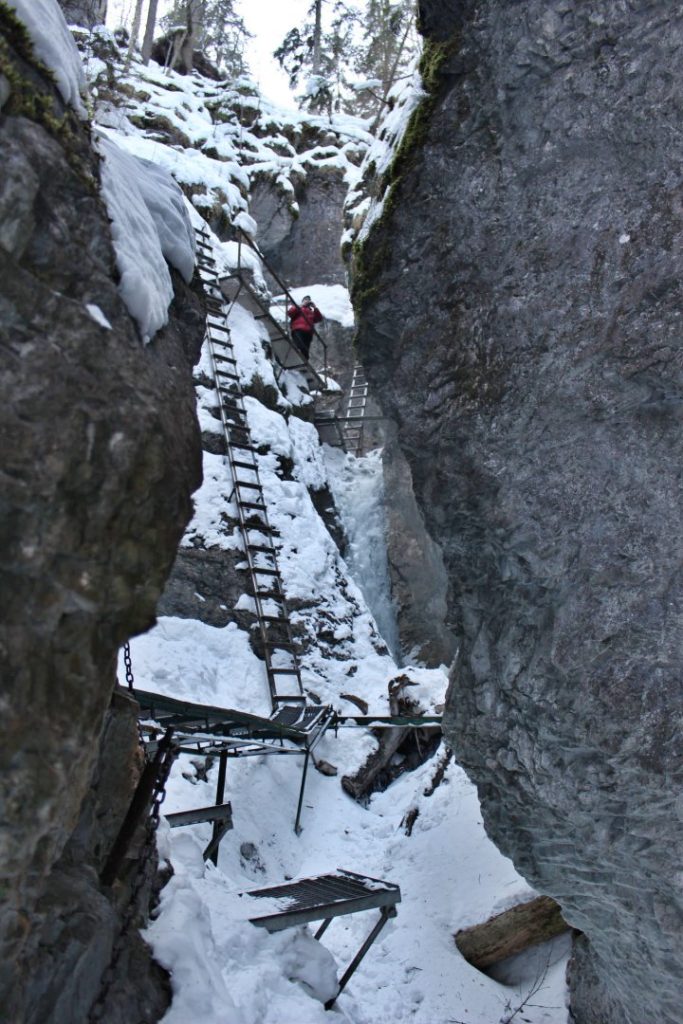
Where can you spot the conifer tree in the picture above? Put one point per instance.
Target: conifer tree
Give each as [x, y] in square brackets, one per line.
[352, 65]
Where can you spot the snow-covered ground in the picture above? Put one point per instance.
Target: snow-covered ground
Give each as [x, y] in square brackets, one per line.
[450, 874]
[223, 970]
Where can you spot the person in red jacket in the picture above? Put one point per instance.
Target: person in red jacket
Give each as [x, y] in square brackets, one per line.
[303, 318]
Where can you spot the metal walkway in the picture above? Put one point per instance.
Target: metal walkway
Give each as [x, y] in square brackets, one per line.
[279, 649]
[205, 731]
[324, 897]
[238, 286]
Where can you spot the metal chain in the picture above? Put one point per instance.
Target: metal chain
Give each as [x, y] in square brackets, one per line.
[130, 910]
[129, 665]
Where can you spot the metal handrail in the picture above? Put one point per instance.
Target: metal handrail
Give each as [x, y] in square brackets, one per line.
[242, 234]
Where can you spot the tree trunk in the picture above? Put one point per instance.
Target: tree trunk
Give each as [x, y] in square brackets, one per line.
[317, 37]
[149, 31]
[135, 30]
[511, 932]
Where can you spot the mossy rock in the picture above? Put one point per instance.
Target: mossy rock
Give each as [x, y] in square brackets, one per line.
[33, 91]
[164, 128]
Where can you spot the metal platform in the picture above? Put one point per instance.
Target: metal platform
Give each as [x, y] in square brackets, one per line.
[207, 731]
[322, 898]
[219, 814]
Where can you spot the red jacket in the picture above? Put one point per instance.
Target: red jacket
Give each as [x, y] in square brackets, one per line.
[304, 317]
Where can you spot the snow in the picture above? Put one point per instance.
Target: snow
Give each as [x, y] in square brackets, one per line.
[248, 337]
[223, 968]
[197, 662]
[54, 45]
[145, 285]
[246, 223]
[98, 316]
[362, 209]
[333, 301]
[212, 507]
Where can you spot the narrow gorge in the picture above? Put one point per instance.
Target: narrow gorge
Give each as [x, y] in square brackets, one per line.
[425, 641]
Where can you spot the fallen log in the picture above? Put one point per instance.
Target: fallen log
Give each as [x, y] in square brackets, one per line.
[360, 783]
[511, 932]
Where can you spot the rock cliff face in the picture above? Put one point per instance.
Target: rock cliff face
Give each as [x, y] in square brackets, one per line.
[303, 246]
[100, 455]
[84, 12]
[534, 369]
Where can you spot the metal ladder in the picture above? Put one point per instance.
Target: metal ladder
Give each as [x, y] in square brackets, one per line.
[352, 423]
[279, 650]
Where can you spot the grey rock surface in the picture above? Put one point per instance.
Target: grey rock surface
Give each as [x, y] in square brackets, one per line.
[303, 248]
[100, 453]
[87, 13]
[419, 581]
[534, 369]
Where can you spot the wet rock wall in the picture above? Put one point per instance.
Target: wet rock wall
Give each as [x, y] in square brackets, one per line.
[100, 453]
[534, 371]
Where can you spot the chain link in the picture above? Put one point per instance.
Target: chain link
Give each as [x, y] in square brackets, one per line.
[130, 681]
[130, 910]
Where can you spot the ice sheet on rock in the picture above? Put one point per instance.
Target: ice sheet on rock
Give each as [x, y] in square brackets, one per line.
[189, 660]
[145, 284]
[54, 45]
[166, 204]
[358, 489]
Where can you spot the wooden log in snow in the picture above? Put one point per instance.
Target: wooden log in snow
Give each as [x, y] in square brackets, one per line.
[511, 932]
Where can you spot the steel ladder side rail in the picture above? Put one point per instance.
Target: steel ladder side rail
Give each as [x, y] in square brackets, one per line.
[355, 409]
[234, 391]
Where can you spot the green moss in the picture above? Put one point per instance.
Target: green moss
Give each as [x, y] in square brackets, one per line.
[366, 263]
[27, 98]
[164, 127]
[434, 56]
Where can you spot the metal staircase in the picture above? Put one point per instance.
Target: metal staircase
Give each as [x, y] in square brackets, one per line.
[279, 650]
[238, 285]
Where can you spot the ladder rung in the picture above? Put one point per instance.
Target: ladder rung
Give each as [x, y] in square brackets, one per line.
[281, 645]
[262, 549]
[279, 619]
[297, 698]
[257, 570]
[260, 527]
[254, 486]
[244, 447]
[253, 505]
[283, 671]
[246, 465]
[275, 595]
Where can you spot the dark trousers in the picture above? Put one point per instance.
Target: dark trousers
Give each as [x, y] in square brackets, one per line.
[302, 340]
